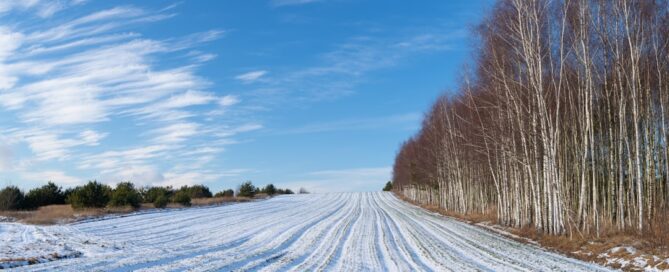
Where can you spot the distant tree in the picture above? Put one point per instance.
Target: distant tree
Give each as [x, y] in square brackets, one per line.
[225, 193]
[66, 194]
[161, 201]
[388, 187]
[48, 194]
[91, 195]
[11, 198]
[150, 194]
[196, 191]
[281, 191]
[247, 190]
[182, 198]
[125, 194]
[270, 189]
[303, 191]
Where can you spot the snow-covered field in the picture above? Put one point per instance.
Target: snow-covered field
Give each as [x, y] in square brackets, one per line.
[333, 232]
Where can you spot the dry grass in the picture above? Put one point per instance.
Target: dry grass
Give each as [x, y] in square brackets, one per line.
[18, 215]
[50, 215]
[54, 214]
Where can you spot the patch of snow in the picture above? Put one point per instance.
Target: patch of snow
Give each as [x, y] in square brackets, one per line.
[629, 249]
[6, 219]
[629, 259]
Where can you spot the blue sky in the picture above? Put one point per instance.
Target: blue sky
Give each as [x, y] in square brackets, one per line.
[299, 93]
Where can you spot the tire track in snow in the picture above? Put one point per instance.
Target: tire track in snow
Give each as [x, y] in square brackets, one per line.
[316, 232]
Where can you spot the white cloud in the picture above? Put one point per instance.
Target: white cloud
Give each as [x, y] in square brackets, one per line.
[6, 157]
[51, 145]
[110, 161]
[140, 175]
[6, 6]
[175, 133]
[42, 8]
[231, 131]
[178, 179]
[91, 137]
[9, 42]
[251, 76]
[58, 177]
[228, 100]
[108, 75]
[171, 109]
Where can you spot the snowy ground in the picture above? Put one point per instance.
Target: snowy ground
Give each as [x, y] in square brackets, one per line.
[334, 232]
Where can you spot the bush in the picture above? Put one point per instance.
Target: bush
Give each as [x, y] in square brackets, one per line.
[125, 194]
[11, 198]
[91, 195]
[388, 187]
[150, 195]
[225, 193]
[49, 194]
[161, 201]
[196, 191]
[182, 198]
[303, 191]
[67, 193]
[247, 190]
[269, 189]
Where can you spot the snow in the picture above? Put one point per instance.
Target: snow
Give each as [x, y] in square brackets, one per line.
[627, 257]
[333, 232]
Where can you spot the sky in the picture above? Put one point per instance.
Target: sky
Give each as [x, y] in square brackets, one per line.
[298, 93]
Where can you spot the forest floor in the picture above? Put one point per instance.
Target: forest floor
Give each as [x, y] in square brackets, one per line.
[330, 232]
[627, 251]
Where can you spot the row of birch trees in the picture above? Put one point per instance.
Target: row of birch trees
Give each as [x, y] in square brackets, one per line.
[561, 124]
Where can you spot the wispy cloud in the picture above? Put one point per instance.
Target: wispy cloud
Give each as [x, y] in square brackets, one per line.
[175, 133]
[339, 71]
[48, 145]
[70, 84]
[228, 100]
[59, 177]
[6, 157]
[42, 8]
[251, 76]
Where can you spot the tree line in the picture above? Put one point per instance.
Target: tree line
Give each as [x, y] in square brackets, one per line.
[561, 124]
[99, 195]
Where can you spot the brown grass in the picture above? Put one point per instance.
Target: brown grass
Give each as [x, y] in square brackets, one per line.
[54, 214]
[50, 215]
